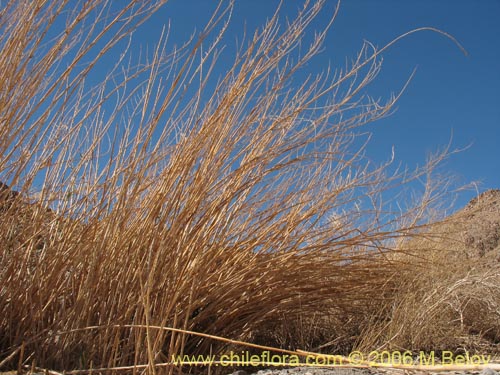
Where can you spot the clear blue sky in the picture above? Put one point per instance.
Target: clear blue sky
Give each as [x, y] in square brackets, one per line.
[452, 96]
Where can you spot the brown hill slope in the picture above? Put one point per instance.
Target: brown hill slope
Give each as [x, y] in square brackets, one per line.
[482, 230]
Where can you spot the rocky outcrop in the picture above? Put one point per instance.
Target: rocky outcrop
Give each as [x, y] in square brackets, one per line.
[482, 225]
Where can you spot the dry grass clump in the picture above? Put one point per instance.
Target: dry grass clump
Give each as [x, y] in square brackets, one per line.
[450, 299]
[222, 207]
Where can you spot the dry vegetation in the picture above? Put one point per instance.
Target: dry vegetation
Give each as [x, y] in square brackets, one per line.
[451, 298]
[243, 207]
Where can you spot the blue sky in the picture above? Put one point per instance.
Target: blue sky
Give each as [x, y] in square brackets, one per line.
[451, 97]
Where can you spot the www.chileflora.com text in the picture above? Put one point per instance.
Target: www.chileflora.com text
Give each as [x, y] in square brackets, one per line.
[355, 358]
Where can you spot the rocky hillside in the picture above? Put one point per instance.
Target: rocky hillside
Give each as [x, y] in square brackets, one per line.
[482, 232]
